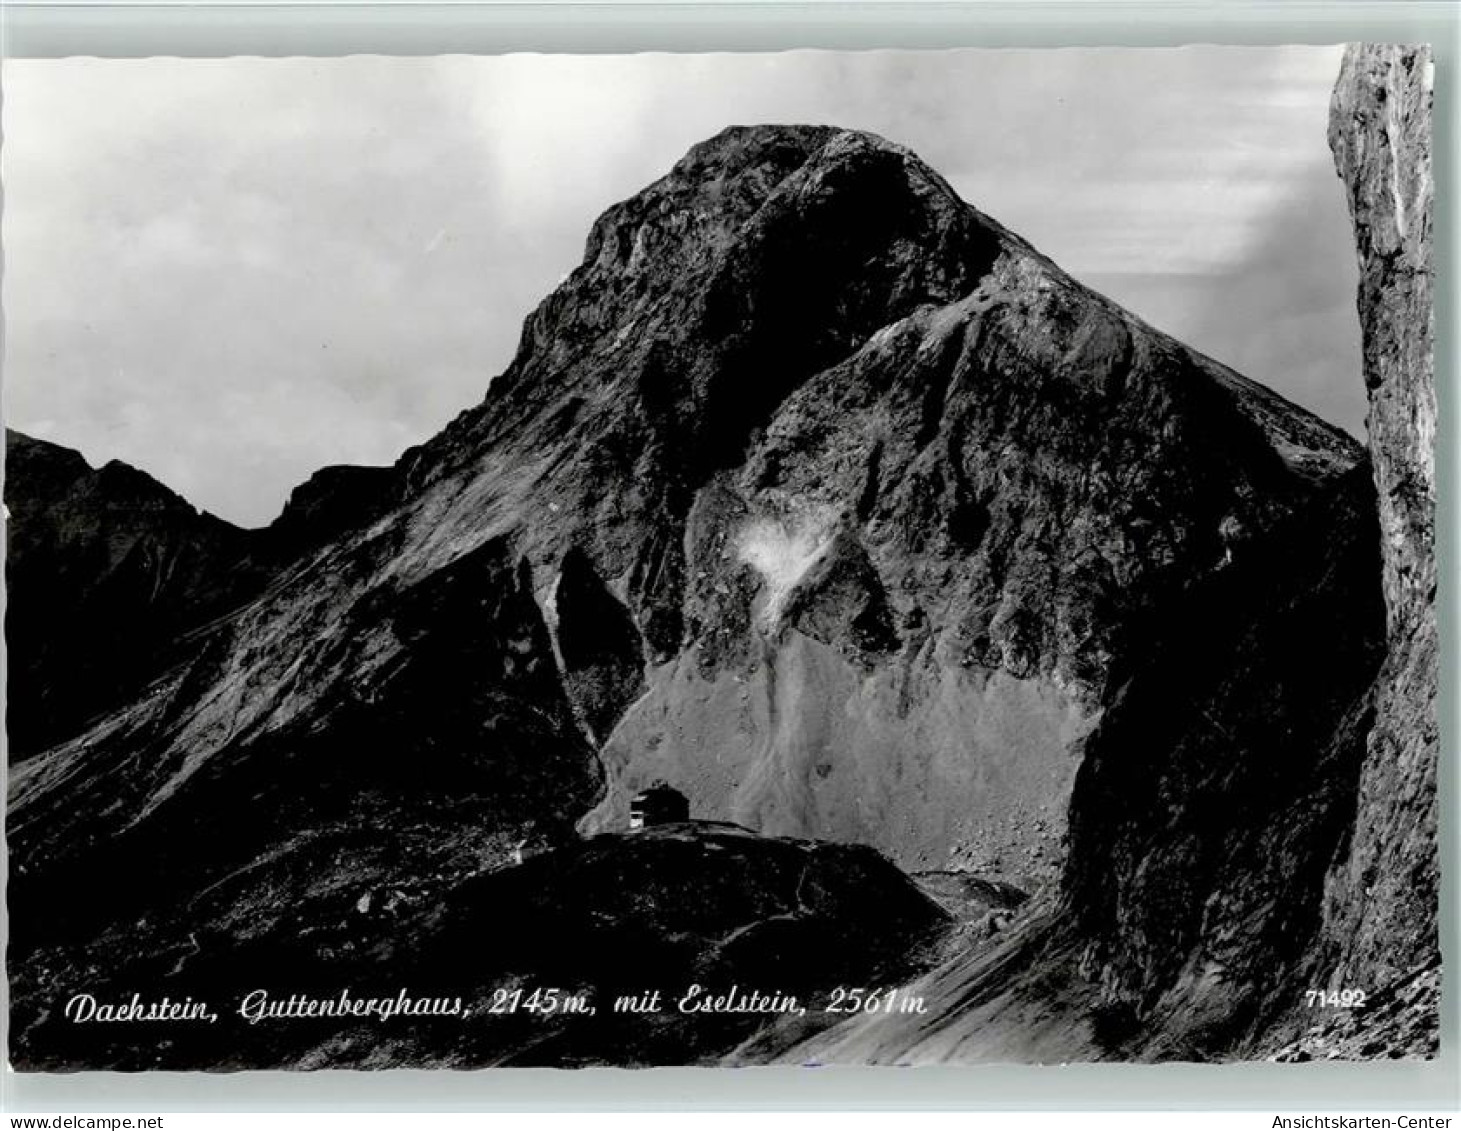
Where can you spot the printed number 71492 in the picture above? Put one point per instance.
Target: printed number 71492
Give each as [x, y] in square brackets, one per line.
[1341, 999]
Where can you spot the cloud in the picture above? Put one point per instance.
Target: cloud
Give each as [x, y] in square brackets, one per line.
[230, 272]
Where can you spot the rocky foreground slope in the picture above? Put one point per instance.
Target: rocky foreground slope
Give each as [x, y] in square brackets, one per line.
[627, 949]
[821, 495]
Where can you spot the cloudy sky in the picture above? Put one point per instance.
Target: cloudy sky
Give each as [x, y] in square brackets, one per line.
[231, 272]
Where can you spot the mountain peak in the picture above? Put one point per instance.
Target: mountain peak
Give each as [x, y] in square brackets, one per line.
[738, 150]
[765, 255]
[739, 147]
[723, 183]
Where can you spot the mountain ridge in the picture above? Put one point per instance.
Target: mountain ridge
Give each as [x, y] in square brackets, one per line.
[813, 491]
[615, 505]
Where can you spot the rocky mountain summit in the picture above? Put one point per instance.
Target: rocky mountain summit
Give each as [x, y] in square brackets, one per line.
[820, 495]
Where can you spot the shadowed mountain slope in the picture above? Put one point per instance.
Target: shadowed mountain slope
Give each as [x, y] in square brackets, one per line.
[106, 568]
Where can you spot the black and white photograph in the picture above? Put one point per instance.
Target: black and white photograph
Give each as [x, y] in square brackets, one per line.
[793, 558]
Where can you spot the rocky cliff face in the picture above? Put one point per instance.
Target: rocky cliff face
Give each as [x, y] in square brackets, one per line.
[1380, 132]
[1381, 930]
[816, 492]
